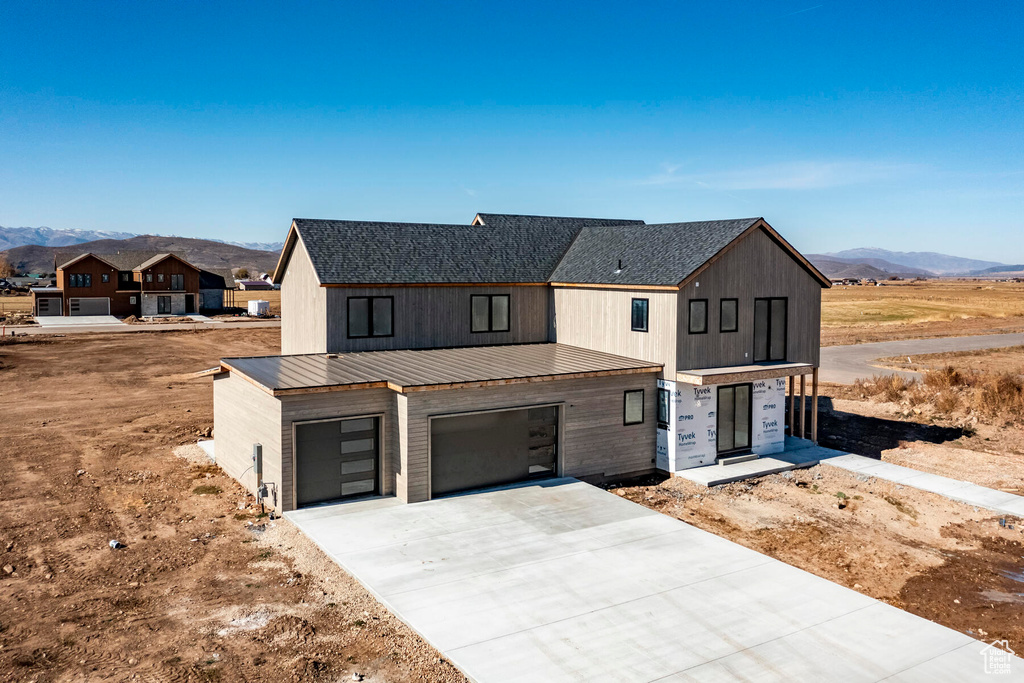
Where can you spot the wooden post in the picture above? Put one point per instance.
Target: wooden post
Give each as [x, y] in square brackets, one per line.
[792, 405]
[803, 405]
[814, 406]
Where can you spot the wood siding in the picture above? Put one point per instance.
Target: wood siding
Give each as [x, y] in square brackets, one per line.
[600, 319]
[437, 317]
[755, 267]
[594, 441]
[171, 265]
[323, 406]
[303, 306]
[119, 302]
[244, 414]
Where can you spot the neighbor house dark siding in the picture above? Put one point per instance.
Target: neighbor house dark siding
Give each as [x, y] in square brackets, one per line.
[755, 267]
[433, 317]
[119, 303]
[169, 266]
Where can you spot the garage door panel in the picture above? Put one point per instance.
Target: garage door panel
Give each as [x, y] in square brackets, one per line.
[489, 449]
[336, 459]
[89, 306]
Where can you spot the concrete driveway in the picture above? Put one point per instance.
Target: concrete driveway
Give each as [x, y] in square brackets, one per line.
[76, 320]
[845, 364]
[562, 581]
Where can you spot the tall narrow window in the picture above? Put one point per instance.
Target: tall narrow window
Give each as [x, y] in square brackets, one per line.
[698, 321]
[638, 318]
[770, 320]
[177, 281]
[664, 400]
[370, 316]
[104, 277]
[728, 316]
[489, 313]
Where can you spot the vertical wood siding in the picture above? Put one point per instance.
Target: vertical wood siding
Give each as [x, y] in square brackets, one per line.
[303, 306]
[756, 267]
[435, 317]
[243, 415]
[595, 443]
[339, 404]
[600, 319]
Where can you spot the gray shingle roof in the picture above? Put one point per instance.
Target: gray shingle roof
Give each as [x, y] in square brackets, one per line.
[663, 254]
[122, 260]
[511, 249]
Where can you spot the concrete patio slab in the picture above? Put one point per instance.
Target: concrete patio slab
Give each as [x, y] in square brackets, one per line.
[713, 475]
[562, 581]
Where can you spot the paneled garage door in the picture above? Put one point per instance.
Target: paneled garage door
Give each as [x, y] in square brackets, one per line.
[493, 448]
[336, 459]
[90, 306]
[49, 306]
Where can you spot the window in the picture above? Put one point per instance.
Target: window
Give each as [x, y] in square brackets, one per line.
[770, 329]
[728, 315]
[664, 399]
[131, 300]
[638, 319]
[104, 277]
[126, 277]
[80, 280]
[370, 316]
[149, 277]
[159, 277]
[633, 407]
[488, 313]
[177, 281]
[698, 323]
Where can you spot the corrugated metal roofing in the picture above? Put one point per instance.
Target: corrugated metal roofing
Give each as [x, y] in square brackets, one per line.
[429, 367]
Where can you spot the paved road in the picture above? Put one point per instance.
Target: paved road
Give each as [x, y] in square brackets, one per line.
[79, 329]
[562, 581]
[844, 364]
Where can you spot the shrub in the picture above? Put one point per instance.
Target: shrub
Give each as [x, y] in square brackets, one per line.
[947, 401]
[1002, 394]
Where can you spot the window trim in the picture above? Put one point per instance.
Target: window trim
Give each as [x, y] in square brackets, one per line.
[689, 316]
[104, 277]
[647, 314]
[785, 332]
[722, 329]
[369, 318]
[664, 424]
[625, 394]
[490, 313]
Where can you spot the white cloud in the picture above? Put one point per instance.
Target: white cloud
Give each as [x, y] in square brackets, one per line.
[799, 175]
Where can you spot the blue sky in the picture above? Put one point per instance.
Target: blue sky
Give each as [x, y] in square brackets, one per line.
[898, 125]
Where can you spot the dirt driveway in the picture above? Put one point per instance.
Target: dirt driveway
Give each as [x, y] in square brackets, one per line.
[205, 588]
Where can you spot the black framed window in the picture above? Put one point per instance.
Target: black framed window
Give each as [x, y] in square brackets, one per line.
[80, 280]
[664, 399]
[371, 316]
[728, 315]
[177, 281]
[698, 320]
[633, 407]
[159, 277]
[126, 277]
[770, 329]
[104, 277]
[488, 313]
[638, 315]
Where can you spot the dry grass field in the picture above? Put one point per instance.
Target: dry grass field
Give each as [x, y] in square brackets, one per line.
[242, 299]
[917, 310]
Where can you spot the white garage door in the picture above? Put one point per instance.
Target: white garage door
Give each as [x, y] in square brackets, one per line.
[90, 306]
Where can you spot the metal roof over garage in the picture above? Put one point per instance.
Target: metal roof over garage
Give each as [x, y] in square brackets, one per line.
[413, 370]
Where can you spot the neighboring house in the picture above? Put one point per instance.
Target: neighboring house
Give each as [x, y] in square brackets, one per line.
[424, 359]
[245, 285]
[127, 283]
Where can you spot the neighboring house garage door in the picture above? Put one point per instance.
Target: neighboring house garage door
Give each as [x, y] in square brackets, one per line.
[49, 306]
[336, 459]
[91, 306]
[488, 449]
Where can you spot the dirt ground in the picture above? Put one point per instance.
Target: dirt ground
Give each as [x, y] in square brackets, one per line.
[97, 446]
[920, 310]
[929, 555]
[1007, 359]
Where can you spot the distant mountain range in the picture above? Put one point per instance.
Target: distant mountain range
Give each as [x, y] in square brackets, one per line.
[208, 254]
[52, 237]
[871, 262]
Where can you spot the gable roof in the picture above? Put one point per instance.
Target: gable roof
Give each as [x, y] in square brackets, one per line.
[149, 263]
[657, 255]
[514, 249]
[73, 260]
[121, 260]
